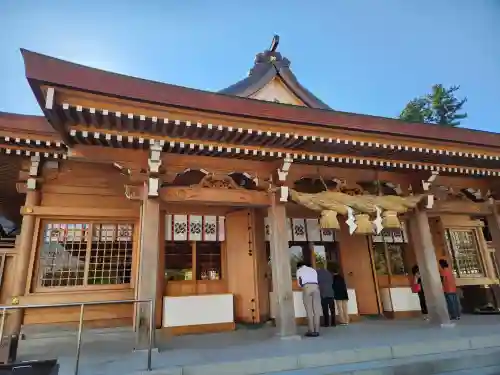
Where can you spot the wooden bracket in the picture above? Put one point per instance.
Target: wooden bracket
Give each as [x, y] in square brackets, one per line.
[154, 160]
[33, 172]
[283, 170]
[134, 192]
[397, 188]
[426, 184]
[284, 194]
[154, 164]
[426, 187]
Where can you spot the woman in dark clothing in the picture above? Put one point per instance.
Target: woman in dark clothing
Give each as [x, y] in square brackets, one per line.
[417, 283]
[341, 296]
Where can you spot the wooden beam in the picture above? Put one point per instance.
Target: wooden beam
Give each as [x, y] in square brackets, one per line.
[212, 196]
[130, 122]
[459, 207]
[118, 120]
[93, 118]
[105, 119]
[58, 124]
[108, 155]
[78, 212]
[80, 116]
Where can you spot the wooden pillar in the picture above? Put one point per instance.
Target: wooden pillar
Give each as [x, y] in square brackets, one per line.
[420, 234]
[493, 221]
[23, 251]
[149, 252]
[23, 254]
[281, 271]
[149, 259]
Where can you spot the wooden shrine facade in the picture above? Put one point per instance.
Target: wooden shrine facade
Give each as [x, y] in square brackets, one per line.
[133, 188]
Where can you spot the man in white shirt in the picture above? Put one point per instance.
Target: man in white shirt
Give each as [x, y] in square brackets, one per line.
[307, 277]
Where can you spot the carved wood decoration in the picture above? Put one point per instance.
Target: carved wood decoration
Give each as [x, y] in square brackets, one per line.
[447, 193]
[350, 188]
[214, 196]
[218, 182]
[381, 188]
[318, 185]
[134, 192]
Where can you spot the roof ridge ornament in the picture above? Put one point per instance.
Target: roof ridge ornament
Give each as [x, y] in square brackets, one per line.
[275, 42]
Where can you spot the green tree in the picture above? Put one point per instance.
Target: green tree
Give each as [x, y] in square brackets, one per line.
[441, 106]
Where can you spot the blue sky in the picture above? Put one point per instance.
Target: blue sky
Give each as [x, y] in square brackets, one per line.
[361, 56]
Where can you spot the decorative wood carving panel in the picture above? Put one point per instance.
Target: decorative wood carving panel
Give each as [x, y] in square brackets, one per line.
[195, 228]
[303, 230]
[218, 182]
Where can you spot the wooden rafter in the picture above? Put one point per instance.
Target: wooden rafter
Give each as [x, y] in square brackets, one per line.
[157, 126]
[207, 148]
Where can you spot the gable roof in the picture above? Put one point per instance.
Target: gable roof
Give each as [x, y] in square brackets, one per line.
[269, 65]
[41, 69]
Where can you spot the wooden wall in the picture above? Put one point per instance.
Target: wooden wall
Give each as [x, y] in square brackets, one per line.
[81, 185]
[78, 184]
[357, 267]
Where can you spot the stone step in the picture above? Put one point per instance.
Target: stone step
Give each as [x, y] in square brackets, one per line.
[491, 370]
[464, 362]
[469, 362]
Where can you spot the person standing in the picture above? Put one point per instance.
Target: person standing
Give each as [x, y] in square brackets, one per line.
[341, 297]
[307, 278]
[325, 282]
[450, 290]
[418, 288]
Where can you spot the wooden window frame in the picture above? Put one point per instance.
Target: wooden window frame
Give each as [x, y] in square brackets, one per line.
[32, 286]
[390, 280]
[212, 286]
[310, 245]
[451, 255]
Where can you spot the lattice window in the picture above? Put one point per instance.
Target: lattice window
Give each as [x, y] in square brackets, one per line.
[69, 256]
[208, 261]
[111, 254]
[380, 259]
[389, 259]
[464, 249]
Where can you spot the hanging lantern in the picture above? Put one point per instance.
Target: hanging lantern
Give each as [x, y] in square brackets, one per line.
[390, 220]
[329, 220]
[364, 225]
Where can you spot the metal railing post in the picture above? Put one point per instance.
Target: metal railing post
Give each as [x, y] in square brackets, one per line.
[79, 339]
[2, 323]
[151, 332]
[82, 305]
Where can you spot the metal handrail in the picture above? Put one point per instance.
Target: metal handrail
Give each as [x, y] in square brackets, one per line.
[80, 325]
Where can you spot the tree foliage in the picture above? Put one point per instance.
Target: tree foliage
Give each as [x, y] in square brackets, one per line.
[441, 106]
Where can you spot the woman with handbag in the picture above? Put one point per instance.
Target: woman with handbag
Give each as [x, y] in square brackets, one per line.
[416, 287]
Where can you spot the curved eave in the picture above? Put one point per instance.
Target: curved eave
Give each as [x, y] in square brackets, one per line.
[49, 70]
[258, 80]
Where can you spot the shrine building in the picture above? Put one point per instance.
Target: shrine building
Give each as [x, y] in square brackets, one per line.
[204, 202]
